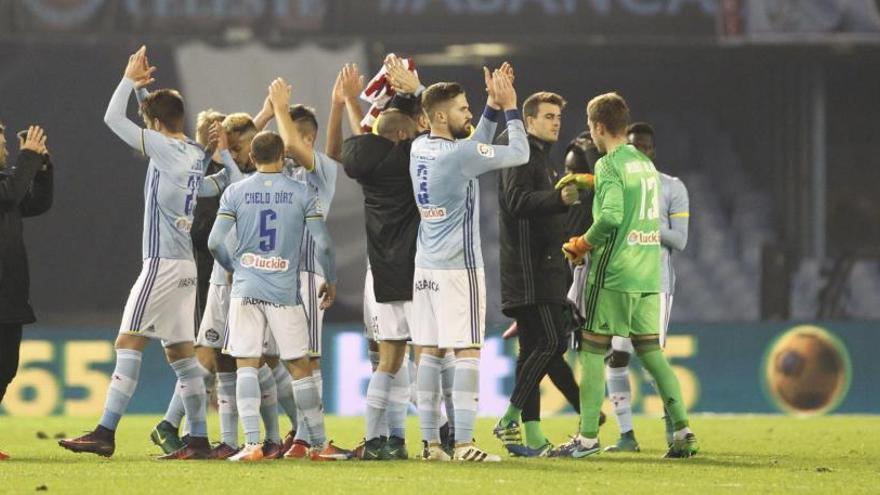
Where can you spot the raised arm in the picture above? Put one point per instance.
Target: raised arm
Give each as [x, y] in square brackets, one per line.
[279, 93]
[264, 116]
[345, 93]
[39, 199]
[675, 235]
[217, 240]
[115, 117]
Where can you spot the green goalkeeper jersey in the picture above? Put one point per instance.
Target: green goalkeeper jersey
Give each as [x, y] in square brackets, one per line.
[625, 234]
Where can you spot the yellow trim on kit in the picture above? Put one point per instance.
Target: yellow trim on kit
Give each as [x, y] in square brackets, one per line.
[225, 214]
[684, 214]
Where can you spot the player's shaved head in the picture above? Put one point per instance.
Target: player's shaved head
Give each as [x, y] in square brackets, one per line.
[395, 125]
[166, 107]
[204, 120]
[305, 119]
[267, 148]
[439, 96]
[610, 110]
[641, 135]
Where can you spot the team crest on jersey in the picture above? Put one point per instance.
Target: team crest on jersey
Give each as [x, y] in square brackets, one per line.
[486, 150]
[643, 238]
[262, 263]
[212, 335]
[183, 224]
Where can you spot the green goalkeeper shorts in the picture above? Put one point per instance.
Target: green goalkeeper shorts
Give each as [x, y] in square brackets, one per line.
[615, 313]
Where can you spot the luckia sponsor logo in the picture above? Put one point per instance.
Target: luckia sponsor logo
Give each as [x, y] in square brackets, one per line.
[270, 264]
[643, 238]
[432, 213]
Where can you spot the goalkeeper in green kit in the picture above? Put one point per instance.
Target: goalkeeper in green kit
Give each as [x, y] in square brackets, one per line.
[622, 294]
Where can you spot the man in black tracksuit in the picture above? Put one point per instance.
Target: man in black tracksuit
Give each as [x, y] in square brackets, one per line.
[25, 191]
[534, 275]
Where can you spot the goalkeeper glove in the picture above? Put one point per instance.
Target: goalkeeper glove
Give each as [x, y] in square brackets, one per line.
[575, 249]
[582, 181]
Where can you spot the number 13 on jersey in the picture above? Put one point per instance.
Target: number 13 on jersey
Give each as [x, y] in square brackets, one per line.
[650, 204]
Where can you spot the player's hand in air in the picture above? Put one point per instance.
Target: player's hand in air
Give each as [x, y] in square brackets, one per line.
[575, 249]
[504, 94]
[488, 77]
[279, 95]
[581, 181]
[35, 140]
[402, 79]
[217, 138]
[348, 85]
[139, 69]
[327, 293]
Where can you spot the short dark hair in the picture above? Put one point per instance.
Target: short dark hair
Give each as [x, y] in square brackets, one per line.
[585, 152]
[267, 147]
[610, 110]
[438, 94]
[304, 117]
[640, 128]
[391, 121]
[530, 106]
[165, 105]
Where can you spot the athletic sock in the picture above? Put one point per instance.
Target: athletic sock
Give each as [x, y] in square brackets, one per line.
[247, 394]
[512, 415]
[429, 397]
[681, 434]
[398, 404]
[305, 392]
[174, 413]
[191, 384]
[123, 382]
[227, 407]
[592, 389]
[534, 434]
[657, 365]
[302, 429]
[269, 403]
[284, 386]
[621, 396]
[447, 381]
[377, 405]
[319, 383]
[413, 370]
[465, 396]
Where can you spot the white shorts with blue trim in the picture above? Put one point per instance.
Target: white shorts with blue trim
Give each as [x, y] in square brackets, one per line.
[162, 302]
[449, 308]
[257, 326]
[309, 285]
[389, 321]
[212, 330]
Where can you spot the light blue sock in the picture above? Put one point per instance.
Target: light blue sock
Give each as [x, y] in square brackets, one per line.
[429, 397]
[284, 385]
[269, 403]
[174, 413]
[191, 388]
[377, 405]
[465, 396]
[308, 400]
[398, 404]
[620, 395]
[123, 383]
[228, 408]
[247, 395]
[447, 380]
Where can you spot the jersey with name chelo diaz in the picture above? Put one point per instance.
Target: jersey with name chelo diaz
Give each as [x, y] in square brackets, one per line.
[625, 234]
[270, 212]
[444, 175]
[323, 179]
[170, 193]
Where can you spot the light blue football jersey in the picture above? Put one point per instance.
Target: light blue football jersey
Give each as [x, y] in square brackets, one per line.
[673, 204]
[323, 179]
[444, 176]
[270, 212]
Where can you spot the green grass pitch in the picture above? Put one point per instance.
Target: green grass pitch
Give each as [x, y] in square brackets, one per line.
[740, 454]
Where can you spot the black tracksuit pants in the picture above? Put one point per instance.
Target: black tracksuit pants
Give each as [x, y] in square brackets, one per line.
[10, 343]
[543, 340]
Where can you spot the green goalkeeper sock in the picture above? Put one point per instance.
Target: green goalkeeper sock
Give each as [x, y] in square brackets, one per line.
[592, 389]
[667, 383]
[535, 438]
[511, 416]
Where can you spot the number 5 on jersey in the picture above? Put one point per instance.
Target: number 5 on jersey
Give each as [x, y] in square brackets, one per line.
[267, 230]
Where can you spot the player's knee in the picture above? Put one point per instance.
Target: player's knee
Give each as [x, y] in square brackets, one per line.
[643, 345]
[594, 343]
[618, 359]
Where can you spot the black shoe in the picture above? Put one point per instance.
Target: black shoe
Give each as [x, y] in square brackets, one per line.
[101, 441]
[394, 449]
